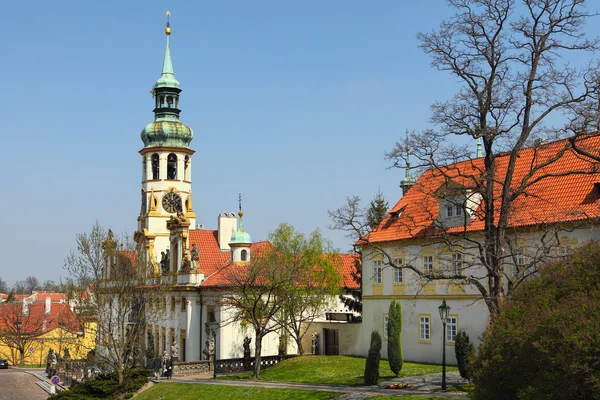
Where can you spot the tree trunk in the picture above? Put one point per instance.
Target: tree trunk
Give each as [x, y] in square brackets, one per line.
[22, 355]
[299, 345]
[257, 351]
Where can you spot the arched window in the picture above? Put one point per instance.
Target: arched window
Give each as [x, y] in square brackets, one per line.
[186, 165]
[155, 166]
[162, 101]
[171, 166]
[170, 102]
[144, 168]
[244, 255]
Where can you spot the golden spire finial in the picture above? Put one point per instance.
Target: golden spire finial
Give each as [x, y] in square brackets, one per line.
[168, 28]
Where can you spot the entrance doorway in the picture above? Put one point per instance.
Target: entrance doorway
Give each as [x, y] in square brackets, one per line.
[332, 344]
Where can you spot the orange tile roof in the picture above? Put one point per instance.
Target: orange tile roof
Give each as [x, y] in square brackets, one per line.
[554, 199]
[211, 256]
[221, 277]
[60, 314]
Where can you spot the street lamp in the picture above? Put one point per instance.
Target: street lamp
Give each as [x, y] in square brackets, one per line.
[444, 310]
[211, 329]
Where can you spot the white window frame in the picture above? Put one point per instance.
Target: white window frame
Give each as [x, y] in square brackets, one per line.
[458, 211]
[424, 328]
[565, 253]
[428, 263]
[398, 271]
[449, 211]
[519, 267]
[451, 328]
[457, 263]
[377, 272]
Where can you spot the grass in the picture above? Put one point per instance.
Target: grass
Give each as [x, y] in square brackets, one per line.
[461, 387]
[334, 370]
[185, 391]
[407, 398]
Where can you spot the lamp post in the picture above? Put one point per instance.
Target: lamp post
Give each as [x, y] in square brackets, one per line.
[211, 329]
[444, 310]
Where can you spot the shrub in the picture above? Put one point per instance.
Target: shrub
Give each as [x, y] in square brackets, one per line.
[395, 337]
[464, 350]
[372, 364]
[544, 344]
[106, 386]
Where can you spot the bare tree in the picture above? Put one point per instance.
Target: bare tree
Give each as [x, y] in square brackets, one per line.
[20, 324]
[110, 281]
[511, 58]
[3, 286]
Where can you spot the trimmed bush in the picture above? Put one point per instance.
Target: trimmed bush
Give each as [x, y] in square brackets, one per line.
[464, 350]
[394, 349]
[545, 342]
[372, 364]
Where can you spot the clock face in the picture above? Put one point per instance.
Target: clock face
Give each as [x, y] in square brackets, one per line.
[171, 202]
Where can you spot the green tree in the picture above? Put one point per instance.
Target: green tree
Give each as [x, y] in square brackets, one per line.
[395, 337]
[372, 363]
[284, 286]
[544, 344]
[464, 351]
[376, 211]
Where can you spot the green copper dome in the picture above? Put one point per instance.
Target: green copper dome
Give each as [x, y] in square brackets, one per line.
[167, 133]
[240, 236]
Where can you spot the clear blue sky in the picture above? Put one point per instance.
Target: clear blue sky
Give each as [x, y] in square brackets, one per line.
[293, 104]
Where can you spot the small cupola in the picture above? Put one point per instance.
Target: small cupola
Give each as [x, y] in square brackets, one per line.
[240, 241]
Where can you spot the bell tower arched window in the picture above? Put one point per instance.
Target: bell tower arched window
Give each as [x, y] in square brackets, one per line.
[172, 166]
[244, 255]
[155, 166]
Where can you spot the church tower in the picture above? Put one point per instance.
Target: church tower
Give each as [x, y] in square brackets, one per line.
[166, 164]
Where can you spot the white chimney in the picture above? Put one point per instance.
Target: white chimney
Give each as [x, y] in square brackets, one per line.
[48, 307]
[227, 225]
[25, 307]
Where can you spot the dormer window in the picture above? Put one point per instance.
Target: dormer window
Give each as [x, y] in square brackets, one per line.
[449, 211]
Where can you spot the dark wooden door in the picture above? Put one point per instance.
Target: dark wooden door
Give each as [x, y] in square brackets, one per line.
[332, 345]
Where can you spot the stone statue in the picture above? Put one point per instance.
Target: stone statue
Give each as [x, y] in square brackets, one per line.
[247, 362]
[66, 355]
[206, 352]
[315, 342]
[164, 262]
[247, 342]
[174, 351]
[49, 362]
[195, 255]
[211, 349]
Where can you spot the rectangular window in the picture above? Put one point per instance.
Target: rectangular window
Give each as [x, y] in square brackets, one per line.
[451, 328]
[457, 265]
[458, 211]
[386, 321]
[518, 263]
[565, 253]
[377, 272]
[427, 264]
[172, 303]
[183, 304]
[449, 211]
[397, 271]
[424, 328]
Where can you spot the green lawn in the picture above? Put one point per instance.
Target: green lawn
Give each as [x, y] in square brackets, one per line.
[334, 370]
[186, 391]
[407, 398]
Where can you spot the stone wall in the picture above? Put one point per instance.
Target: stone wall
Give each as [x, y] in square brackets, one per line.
[191, 368]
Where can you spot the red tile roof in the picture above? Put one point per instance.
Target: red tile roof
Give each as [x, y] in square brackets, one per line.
[558, 198]
[211, 256]
[60, 314]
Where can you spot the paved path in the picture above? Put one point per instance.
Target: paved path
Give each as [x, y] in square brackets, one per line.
[18, 384]
[422, 385]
